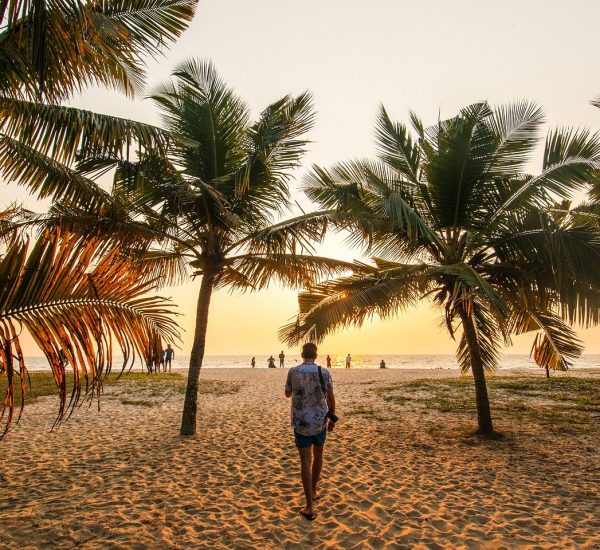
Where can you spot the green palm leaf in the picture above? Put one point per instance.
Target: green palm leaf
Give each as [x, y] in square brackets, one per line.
[256, 271]
[349, 301]
[55, 48]
[45, 176]
[63, 132]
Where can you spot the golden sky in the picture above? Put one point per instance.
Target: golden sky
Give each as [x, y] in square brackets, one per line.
[433, 56]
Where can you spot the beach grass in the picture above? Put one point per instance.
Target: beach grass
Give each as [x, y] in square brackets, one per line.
[40, 384]
[563, 403]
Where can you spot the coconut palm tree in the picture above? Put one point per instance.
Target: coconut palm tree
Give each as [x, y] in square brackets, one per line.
[77, 295]
[449, 214]
[79, 298]
[215, 197]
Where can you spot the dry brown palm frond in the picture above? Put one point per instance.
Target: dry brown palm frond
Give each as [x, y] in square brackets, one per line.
[79, 300]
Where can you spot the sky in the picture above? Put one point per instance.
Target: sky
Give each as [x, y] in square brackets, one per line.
[431, 56]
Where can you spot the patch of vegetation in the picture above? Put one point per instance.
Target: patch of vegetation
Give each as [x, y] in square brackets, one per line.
[138, 402]
[566, 403]
[362, 411]
[40, 384]
[217, 387]
[396, 398]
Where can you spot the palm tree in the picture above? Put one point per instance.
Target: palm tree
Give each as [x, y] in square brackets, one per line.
[215, 196]
[50, 50]
[78, 297]
[449, 214]
[76, 294]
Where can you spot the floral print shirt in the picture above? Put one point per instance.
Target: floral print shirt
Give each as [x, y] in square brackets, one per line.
[309, 404]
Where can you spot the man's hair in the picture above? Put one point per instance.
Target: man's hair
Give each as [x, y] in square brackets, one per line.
[309, 351]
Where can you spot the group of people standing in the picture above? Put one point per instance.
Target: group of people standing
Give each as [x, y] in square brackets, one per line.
[271, 362]
[165, 360]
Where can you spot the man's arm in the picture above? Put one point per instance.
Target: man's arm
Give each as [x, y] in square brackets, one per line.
[288, 384]
[331, 406]
[331, 401]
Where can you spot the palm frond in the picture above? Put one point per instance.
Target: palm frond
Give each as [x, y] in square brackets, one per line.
[63, 132]
[46, 177]
[275, 149]
[299, 233]
[571, 161]
[557, 345]
[164, 267]
[77, 299]
[473, 285]
[258, 271]
[349, 301]
[56, 48]
[150, 23]
[396, 147]
[516, 127]
[198, 105]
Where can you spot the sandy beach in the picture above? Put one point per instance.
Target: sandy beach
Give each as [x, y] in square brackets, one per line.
[399, 472]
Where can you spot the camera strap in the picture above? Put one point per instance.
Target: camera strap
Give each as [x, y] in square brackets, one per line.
[322, 381]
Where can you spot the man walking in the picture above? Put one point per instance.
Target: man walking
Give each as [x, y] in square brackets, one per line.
[281, 359]
[313, 414]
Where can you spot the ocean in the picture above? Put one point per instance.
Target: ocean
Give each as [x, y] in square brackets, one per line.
[508, 361]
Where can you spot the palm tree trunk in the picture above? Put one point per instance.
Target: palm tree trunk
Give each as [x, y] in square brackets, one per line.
[547, 371]
[484, 415]
[190, 405]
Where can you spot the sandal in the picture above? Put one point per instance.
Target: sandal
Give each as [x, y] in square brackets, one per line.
[309, 517]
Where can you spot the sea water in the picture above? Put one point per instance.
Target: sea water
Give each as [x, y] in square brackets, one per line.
[508, 361]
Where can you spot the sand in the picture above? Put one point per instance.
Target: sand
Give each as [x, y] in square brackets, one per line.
[395, 476]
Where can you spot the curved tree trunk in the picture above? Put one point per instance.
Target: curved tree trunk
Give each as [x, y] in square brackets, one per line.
[484, 415]
[190, 405]
[547, 371]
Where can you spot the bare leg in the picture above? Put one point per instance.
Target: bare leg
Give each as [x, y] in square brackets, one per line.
[305, 472]
[316, 467]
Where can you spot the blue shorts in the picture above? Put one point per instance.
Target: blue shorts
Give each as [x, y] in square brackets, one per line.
[305, 441]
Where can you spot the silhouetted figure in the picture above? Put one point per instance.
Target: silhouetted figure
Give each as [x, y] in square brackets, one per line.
[62, 358]
[253, 362]
[281, 359]
[348, 361]
[271, 362]
[169, 356]
[382, 364]
[328, 359]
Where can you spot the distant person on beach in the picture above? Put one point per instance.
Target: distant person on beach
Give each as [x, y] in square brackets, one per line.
[62, 358]
[169, 356]
[281, 359]
[348, 361]
[328, 359]
[271, 362]
[313, 414]
[161, 360]
[382, 364]
[253, 362]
